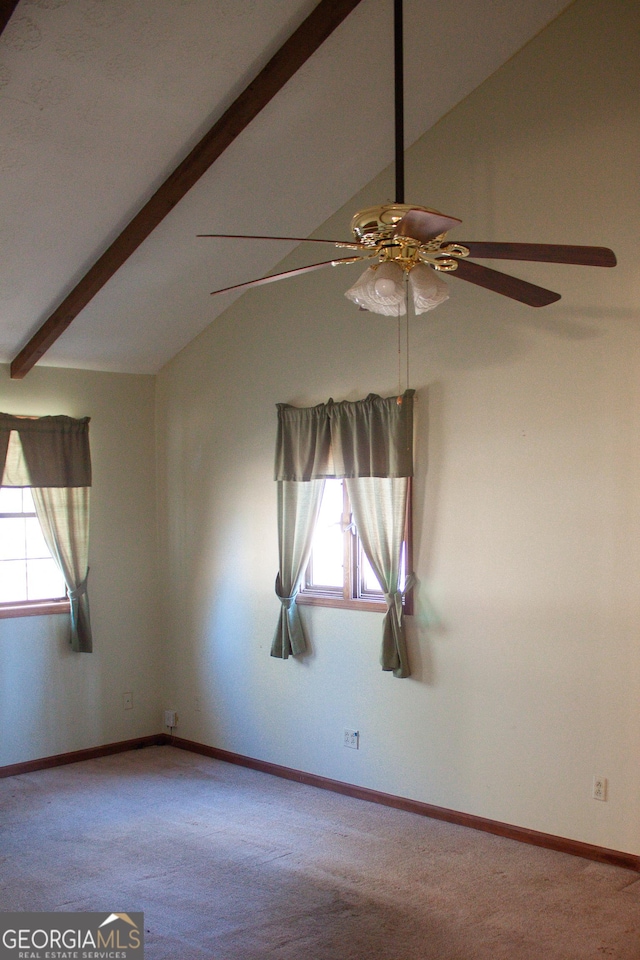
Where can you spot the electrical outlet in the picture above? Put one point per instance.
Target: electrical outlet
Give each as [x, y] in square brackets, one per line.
[196, 705]
[170, 718]
[351, 739]
[127, 701]
[599, 788]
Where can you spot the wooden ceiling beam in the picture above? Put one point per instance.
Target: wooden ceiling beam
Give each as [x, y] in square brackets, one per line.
[6, 9]
[303, 42]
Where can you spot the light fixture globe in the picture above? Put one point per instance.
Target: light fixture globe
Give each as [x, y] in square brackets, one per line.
[380, 289]
[427, 288]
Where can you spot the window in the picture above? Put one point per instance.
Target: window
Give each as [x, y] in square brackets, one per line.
[49, 458]
[338, 573]
[370, 443]
[30, 580]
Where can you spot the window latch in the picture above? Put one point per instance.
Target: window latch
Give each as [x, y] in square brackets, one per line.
[348, 524]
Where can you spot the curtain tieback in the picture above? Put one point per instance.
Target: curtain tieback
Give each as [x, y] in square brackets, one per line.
[395, 598]
[287, 602]
[78, 591]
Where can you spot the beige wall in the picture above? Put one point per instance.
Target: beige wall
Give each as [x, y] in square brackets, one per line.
[52, 700]
[525, 644]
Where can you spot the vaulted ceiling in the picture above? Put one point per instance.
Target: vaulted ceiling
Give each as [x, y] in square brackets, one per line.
[101, 100]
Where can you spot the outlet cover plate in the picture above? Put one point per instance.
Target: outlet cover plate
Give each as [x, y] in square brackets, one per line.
[599, 788]
[351, 739]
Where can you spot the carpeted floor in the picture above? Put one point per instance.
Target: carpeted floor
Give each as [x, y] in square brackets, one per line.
[231, 864]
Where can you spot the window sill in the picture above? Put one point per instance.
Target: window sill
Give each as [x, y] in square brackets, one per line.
[33, 608]
[339, 603]
[310, 600]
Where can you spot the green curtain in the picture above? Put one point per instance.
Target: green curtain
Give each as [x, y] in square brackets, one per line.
[63, 513]
[55, 449]
[298, 508]
[303, 443]
[370, 443]
[4, 447]
[379, 510]
[52, 457]
[372, 437]
[303, 459]
[361, 438]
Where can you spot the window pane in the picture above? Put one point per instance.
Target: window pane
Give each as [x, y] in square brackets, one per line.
[369, 579]
[36, 546]
[13, 580]
[327, 552]
[27, 570]
[10, 500]
[403, 566]
[44, 580]
[12, 539]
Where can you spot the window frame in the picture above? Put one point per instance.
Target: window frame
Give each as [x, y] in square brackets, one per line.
[31, 608]
[352, 597]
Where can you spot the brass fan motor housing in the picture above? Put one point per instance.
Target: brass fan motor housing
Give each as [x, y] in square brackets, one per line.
[375, 229]
[376, 224]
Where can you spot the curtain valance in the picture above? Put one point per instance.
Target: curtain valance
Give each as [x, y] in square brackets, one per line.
[54, 452]
[364, 438]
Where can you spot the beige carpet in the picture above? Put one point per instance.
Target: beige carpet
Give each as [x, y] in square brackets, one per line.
[231, 864]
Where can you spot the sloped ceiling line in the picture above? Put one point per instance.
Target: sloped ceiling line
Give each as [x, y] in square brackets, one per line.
[6, 9]
[303, 42]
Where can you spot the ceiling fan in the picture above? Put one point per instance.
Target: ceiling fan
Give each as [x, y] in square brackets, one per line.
[407, 243]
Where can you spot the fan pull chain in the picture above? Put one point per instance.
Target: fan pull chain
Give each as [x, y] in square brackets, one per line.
[406, 290]
[399, 354]
[406, 337]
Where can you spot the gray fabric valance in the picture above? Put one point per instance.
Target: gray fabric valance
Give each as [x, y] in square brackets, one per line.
[364, 438]
[55, 451]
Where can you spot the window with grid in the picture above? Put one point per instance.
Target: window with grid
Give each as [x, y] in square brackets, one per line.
[338, 573]
[28, 572]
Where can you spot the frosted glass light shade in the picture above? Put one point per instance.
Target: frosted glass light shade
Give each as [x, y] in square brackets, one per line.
[427, 287]
[380, 290]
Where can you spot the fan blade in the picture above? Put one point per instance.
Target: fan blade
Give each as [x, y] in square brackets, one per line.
[424, 226]
[287, 273]
[542, 253]
[503, 283]
[243, 236]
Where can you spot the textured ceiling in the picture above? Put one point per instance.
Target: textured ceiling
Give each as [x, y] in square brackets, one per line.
[100, 100]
